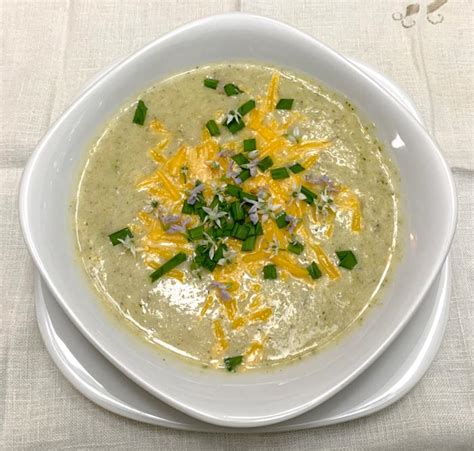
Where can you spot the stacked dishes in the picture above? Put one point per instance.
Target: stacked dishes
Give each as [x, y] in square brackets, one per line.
[342, 222]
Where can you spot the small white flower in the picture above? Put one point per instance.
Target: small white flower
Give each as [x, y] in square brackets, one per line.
[228, 256]
[211, 243]
[222, 289]
[274, 246]
[233, 116]
[128, 244]
[194, 193]
[293, 221]
[214, 215]
[179, 227]
[218, 190]
[252, 154]
[294, 136]
[252, 167]
[296, 193]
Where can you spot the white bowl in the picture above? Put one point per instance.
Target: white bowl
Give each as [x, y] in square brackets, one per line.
[253, 398]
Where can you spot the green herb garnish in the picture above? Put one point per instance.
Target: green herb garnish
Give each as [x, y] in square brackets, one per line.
[211, 83]
[279, 173]
[220, 252]
[240, 159]
[296, 168]
[235, 125]
[270, 272]
[310, 195]
[214, 203]
[196, 233]
[236, 211]
[187, 209]
[240, 231]
[246, 107]
[245, 195]
[314, 271]
[244, 175]
[233, 190]
[213, 128]
[168, 266]
[347, 259]
[249, 244]
[296, 247]
[120, 235]
[231, 363]
[231, 89]
[284, 104]
[264, 164]
[281, 220]
[140, 113]
[250, 144]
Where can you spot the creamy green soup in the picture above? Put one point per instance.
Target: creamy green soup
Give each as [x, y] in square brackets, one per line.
[238, 215]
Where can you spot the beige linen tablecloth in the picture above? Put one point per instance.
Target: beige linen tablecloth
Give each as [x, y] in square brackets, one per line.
[50, 48]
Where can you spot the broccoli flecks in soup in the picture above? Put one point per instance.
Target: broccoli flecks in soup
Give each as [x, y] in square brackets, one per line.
[238, 215]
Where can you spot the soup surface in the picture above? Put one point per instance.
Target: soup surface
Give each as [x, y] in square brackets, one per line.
[238, 215]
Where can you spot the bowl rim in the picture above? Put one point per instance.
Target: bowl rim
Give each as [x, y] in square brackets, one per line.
[216, 419]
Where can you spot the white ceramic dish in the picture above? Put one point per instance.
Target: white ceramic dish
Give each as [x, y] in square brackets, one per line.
[253, 398]
[395, 373]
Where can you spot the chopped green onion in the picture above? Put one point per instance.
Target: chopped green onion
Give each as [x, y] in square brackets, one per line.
[270, 272]
[233, 190]
[140, 113]
[296, 168]
[246, 107]
[209, 264]
[196, 233]
[240, 159]
[213, 128]
[215, 202]
[249, 244]
[235, 125]
[172, 263]
[231, 363]
[231, 89]
[201, 258]
[284, 104]
[187, 209]
[314, 271]
[214, 232]
[281, 220]
[255, 230]
[244, 175]
[200, 212]
[266, 163]
[220, 252]
[295, 247]
[120, 235]
[245, 195]
[241, 231]
[227, 229]
[347, 259]
[279, 173]
[211, 83]
[236, 211]
[251, 229]
[310, 195]
[250, 144]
